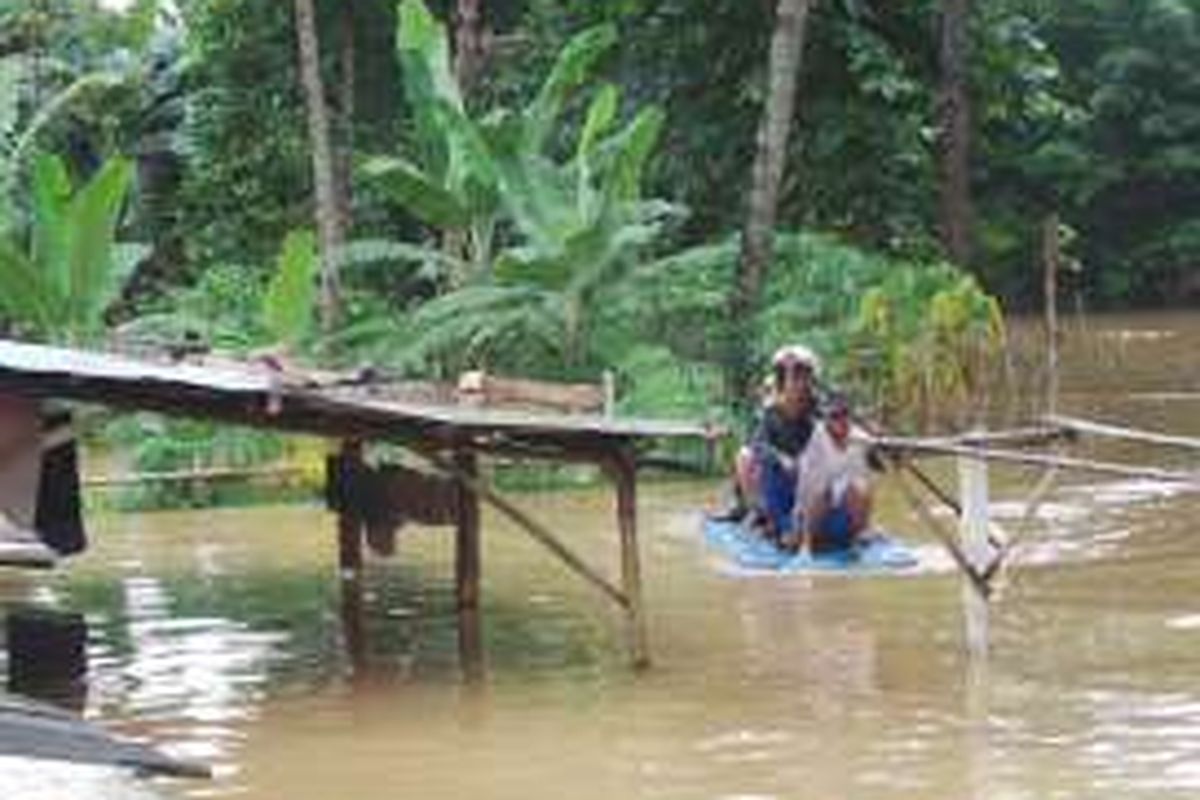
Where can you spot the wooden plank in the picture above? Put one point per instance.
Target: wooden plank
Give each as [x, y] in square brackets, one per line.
[495, 390]
[1118, 432]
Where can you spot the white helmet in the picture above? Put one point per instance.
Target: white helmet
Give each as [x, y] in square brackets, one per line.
[796, 354]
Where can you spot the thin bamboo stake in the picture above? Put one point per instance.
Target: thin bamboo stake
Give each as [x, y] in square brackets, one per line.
[1118, 432]
[939, 532]
[900, 444]
[535, 529]
[1051, 256]
[997, 535]
[1034, 502]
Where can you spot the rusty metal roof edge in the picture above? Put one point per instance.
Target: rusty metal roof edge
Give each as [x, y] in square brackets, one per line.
[33, 360]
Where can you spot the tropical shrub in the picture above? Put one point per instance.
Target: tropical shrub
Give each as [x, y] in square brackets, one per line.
[59, 287]
[902, 336]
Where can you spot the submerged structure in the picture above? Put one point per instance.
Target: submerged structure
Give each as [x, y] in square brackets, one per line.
[446, 430]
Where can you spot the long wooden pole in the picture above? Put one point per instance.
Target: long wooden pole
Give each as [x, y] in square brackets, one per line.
[1032, 504]
[935, 527]
[899, 444]
[1118, 432]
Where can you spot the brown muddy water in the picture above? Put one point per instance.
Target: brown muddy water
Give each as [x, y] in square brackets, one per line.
[218, 635]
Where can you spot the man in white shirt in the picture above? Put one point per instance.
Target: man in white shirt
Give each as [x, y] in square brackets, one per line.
[833, 493]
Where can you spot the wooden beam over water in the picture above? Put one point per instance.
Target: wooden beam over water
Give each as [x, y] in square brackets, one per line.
[898, 444]
[1117, 432]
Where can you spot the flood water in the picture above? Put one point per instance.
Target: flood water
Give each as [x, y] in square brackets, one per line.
[220, 636]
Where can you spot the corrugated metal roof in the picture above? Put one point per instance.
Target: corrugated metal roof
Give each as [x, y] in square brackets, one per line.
[251, 394]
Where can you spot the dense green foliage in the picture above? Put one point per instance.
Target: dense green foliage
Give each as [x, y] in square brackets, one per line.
[1085, 108]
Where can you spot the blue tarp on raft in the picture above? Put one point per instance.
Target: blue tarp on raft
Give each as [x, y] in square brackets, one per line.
[874, 553]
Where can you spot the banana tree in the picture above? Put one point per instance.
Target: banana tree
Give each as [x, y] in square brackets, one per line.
[582, 227]
[449, 178]
[59, 287]
[18, 137]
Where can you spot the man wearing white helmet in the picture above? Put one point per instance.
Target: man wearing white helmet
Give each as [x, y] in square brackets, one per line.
[766, 468]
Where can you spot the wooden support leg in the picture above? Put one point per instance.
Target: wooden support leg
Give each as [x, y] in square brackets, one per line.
[350, 527]
[470, 645]
[353, 625]
[973, 533]
[625, 476]
[467, 544]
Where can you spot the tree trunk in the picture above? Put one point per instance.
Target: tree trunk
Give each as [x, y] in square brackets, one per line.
[787, 49]
[345, 117]
[954, 128]
[329, 231]
[468, 44]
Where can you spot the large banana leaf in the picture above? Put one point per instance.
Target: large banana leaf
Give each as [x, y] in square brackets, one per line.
[51, 229]
[433, 262]
[11, 71]
[628, 153]
[91, 222]
[288, 305]
[26, 299]
[601, 115]
[425, 197]
[424, 52]
[571, 70]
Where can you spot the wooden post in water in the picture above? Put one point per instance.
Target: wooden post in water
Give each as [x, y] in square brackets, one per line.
[467, 562]
[350, 526]
[467, 544]
[624, 472]
[973, 533]
[1051, 256]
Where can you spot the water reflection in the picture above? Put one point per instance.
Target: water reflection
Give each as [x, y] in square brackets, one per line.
[47, 656]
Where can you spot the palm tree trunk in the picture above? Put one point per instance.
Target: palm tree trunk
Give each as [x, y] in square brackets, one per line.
[468, 44]
[345, 116]
[954, 124]
[787, 50]
[329, 230]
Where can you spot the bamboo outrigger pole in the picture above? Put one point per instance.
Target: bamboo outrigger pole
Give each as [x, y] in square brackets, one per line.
[937, 447]
[1118, 432]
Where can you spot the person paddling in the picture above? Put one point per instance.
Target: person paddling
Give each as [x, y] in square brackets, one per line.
[766, 468]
